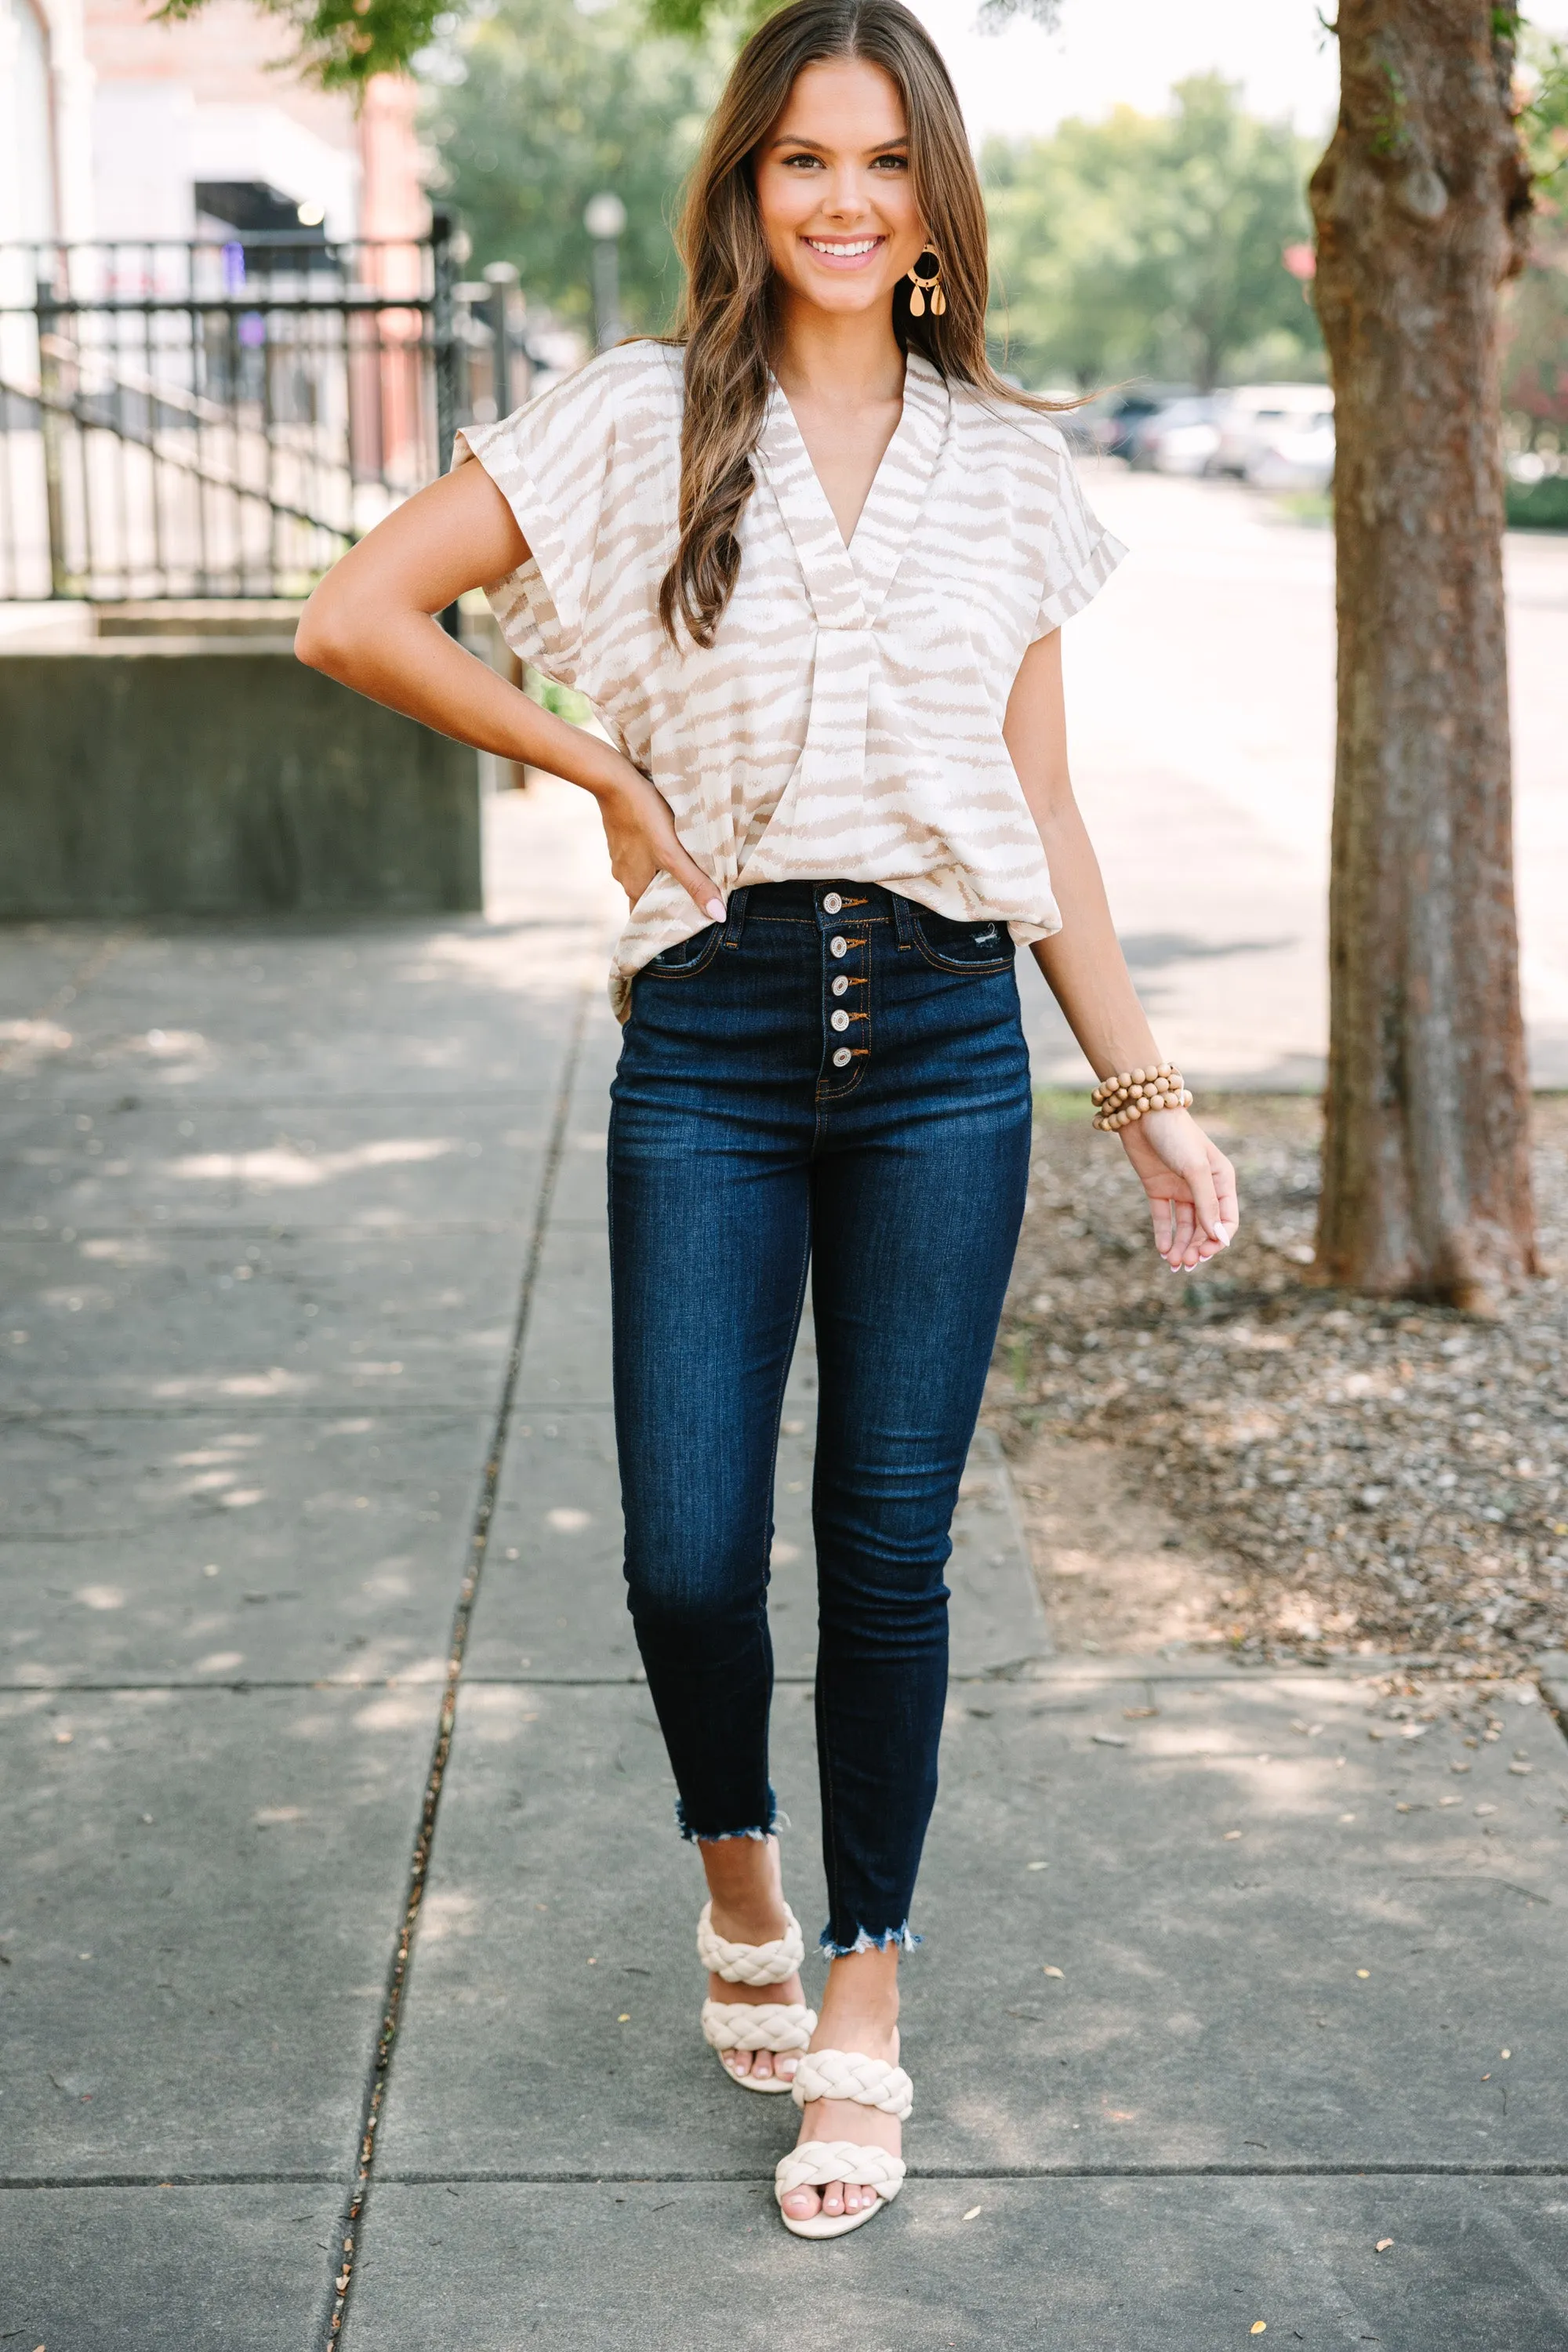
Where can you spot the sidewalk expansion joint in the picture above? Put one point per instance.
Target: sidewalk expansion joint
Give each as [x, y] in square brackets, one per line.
[473, 1097]
[242, 1687]
[1329, 2169]
[633, 1679]
[462, 1617]
[567, 2177]
[358, 1401]
[410, 1684]
[179, 2179]
[83, 1226]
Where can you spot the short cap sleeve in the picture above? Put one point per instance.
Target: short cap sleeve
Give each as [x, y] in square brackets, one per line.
[560, 462]
[1080, 553]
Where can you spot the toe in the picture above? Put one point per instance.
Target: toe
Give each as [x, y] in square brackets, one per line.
[762, 2063]
[833, 2197]
[784, 2068]
[802, 2204]
[739, 2062]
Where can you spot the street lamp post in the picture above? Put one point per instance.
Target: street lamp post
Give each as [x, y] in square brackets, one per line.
[504, 304]
[604, 219]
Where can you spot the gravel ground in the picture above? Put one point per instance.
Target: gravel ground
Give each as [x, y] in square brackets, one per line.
[1238, 1459]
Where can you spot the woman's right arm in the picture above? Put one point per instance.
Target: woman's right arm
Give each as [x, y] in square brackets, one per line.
[372, 625]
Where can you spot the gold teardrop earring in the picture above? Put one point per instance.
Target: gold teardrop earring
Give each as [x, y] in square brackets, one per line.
[925, 286]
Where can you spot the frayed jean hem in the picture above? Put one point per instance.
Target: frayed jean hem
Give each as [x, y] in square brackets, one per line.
[722, 1837]
[891, 1939]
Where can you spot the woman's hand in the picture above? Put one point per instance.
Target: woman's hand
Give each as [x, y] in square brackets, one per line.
[1191, 1186]
[372, 623]
[643, 841]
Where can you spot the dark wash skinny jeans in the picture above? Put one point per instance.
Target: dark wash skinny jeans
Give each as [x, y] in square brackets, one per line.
[750, 1138]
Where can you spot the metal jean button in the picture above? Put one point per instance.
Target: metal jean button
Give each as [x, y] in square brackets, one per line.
[842, 1057]
[841, 1020]
[838, 945]
[832, 903]
[841, 984]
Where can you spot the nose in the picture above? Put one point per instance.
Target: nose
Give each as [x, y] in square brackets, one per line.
[846, 196]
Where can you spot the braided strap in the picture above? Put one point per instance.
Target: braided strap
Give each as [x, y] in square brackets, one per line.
[751, 1964]
[818, 2161]
[780, 2025]
[844, 2074]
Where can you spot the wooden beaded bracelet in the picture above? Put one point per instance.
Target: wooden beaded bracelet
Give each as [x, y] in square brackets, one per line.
[1120, 1100]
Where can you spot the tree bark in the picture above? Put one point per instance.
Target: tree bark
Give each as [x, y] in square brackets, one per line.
[1421, 204]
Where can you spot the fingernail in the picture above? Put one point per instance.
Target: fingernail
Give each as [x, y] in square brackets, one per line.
[715, 908]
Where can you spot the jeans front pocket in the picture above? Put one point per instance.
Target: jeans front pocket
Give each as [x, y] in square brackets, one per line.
[687, 956]
[975, 948]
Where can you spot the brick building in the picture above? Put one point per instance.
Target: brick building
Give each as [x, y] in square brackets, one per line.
[115, 127]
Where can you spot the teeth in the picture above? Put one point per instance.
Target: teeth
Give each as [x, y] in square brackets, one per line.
[864, 245]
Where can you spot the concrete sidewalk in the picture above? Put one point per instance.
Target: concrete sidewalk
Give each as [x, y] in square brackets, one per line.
[305, 1336]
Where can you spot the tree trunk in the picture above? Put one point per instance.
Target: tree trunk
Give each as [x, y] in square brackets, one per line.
[1421, 204]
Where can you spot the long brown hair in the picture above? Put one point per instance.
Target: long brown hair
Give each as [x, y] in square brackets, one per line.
[727, 318]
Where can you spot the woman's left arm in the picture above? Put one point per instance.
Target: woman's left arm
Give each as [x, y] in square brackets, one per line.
[1191, 1184]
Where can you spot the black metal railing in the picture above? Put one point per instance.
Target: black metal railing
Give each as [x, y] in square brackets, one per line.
[221, 419]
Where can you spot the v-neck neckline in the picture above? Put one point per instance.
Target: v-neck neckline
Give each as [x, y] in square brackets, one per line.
[851, 577]
[870, 491]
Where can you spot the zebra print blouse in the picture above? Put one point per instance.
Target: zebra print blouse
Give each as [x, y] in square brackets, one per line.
[847, 722]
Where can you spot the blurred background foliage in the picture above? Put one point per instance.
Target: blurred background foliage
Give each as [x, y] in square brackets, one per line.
[1543, 119]
[1152, 245]
[1139, 246]
[541, 104]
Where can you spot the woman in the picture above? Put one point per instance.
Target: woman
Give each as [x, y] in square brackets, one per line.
[809, 562]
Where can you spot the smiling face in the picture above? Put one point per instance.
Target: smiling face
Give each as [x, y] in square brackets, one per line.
[833, 188]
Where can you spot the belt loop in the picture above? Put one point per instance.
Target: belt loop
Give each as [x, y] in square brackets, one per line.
[736, 923]
[903, 916]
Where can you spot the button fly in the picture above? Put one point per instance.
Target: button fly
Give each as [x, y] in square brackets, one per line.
[841, 1020]
[832, 903]
[841, 985]
[842, 1058]
[838, 945]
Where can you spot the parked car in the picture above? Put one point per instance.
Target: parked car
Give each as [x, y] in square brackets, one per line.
[1253, 416]
[1109, 422]
[1297, 456]
[1180, 438]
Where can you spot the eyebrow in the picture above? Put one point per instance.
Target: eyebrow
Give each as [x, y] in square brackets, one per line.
[797, 138]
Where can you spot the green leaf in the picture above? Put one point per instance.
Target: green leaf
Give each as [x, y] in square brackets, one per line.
[340, 45]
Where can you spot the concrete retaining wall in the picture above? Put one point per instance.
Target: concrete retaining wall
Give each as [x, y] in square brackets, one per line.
[208, 776]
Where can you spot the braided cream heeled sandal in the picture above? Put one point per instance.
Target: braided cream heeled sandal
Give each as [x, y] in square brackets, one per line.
[870, 2083]
[781, 2026]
